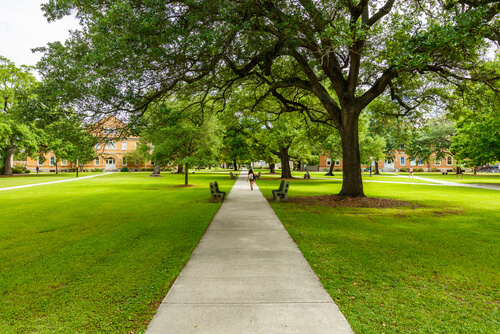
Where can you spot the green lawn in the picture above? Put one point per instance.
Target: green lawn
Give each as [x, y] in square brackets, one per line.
[32, 178]
[466, 178]
[97, 255]
[430, 269]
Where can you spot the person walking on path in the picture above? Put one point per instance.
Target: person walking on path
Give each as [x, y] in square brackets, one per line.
[411, 172]
[251, 178]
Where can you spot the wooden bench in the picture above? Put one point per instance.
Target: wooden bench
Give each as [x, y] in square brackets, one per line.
[216, 186]
[281, 194]
[233, 177]
[214, 195]
[445, 172]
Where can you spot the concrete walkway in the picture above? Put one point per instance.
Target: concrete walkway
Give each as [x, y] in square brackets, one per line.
[247, 276]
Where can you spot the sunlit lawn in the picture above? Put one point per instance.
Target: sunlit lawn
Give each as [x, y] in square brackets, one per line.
[32, 178]
[465, 178]
[97, 255]
[430, 269]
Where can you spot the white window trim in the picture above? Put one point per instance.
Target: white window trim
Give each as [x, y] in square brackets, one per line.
[402, 161]
[50, 161]
[337, 163]
[111, 145]
[447, 163]
[124, 145]
[39, 163]
[64, 162]
[98, 161]
[437, 162]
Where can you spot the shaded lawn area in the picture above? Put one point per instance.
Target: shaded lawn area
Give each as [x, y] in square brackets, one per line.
[434, 268]
[97, 255]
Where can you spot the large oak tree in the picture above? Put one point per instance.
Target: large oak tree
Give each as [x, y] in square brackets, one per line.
[343, 53]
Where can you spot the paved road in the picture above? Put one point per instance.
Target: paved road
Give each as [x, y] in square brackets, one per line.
[247, 276]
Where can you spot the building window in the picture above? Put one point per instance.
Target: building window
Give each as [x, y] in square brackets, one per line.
[40, 162]
[337, 163]
[124, 145]
[52, 161]
[402, 161]
[328, 162]
[449, 161]
[438, 162]
[413, 162]
[97, 162]
[420, 162]
[152, 163]
[97, 146]
[110, 131]
[124, 161]
[111, 145]
[64, 162]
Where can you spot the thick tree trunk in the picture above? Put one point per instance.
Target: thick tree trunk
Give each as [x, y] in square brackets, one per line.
[179, 169]
[352, 185]
[286, 173]
[330, 172]
[272, 167]
[156, 171]
[377, 172]
[186, 174]
[7, 165]
[235, 166]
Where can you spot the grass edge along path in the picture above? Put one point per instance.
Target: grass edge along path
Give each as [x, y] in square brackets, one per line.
[433, 268]
[97, 256]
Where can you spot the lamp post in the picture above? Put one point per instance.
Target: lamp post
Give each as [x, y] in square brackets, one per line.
[371, 166]
[76, 167]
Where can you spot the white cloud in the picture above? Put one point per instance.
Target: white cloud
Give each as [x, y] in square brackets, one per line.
[23, 27]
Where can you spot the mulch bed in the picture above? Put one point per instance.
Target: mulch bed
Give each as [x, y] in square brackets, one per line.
[350, 202]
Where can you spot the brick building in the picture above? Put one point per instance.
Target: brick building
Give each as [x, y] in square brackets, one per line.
[110, 151]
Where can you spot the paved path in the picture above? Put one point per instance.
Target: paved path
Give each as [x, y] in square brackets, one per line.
[456, 184]
[247, 276]
[51, 182]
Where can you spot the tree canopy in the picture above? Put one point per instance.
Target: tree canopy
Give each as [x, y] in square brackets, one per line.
[344, 54]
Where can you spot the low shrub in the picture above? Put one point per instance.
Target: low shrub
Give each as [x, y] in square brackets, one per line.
[337, 169]
[403, 170]
[18, 169]
[418, 170]
[97, 170]
[27, 171]
[434, 170]
[124, 169]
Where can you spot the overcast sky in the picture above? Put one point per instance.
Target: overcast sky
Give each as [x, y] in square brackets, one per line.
[23, 27]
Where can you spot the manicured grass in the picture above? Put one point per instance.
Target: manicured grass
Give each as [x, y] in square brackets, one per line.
[97, 255]
[32, 178]
[465, 178]
[366, 176]
[429, 269]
